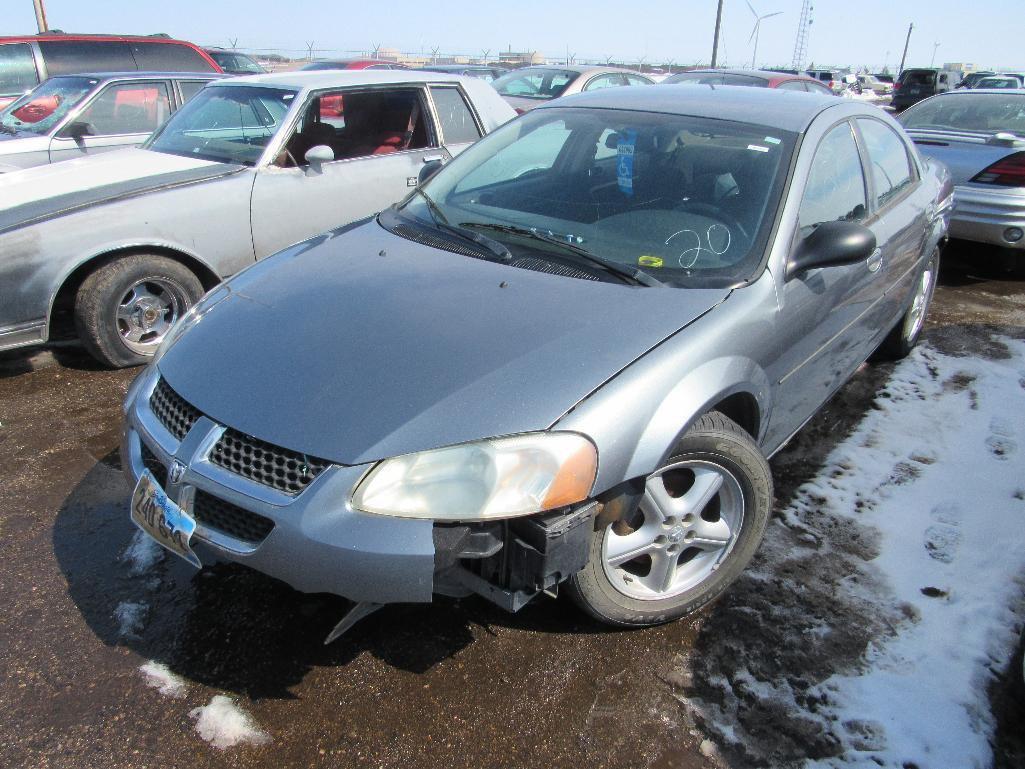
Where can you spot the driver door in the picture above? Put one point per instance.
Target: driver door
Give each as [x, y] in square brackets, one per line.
[380, 139]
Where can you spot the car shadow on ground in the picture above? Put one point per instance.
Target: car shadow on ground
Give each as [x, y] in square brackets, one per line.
[232, 628]
[68, 355]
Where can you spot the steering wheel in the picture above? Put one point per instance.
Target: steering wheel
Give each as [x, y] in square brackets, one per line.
[712, 212]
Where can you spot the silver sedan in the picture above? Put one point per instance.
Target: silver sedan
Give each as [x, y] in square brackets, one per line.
[530, 87]
[562, 362]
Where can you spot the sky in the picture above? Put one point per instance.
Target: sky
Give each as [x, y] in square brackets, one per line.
[844, 32]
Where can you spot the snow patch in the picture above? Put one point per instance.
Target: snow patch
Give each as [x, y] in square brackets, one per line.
[142, 554]
[160, 677]
[223, 724]
[131, 617]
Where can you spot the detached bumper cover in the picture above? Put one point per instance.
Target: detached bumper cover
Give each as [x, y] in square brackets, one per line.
[982, 213]
[316, 541]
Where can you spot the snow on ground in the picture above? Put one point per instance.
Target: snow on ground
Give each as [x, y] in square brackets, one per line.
[130, 616]
[160, 677]
[142, 553]
[871, 626]
[223, 724]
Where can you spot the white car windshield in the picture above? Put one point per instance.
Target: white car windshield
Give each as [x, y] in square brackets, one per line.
[46, 105]
[974, 112]
[686, 200]
[226, 124]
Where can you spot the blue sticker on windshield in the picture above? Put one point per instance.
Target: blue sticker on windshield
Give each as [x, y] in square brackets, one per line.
[625, 161]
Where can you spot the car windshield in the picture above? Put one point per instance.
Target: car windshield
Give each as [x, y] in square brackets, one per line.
[230, 61]
[918, 78]
[535, 83]
[46, 105]
[967, 111]
[227, 124]
[687, 200]
[998, 82]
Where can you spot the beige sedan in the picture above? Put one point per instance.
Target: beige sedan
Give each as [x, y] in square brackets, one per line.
[531, 87]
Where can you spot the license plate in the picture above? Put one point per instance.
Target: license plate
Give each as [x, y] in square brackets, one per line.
[162, 519]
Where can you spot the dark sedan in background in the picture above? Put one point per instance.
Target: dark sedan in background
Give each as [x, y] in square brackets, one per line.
[980, 136]
[564, 359]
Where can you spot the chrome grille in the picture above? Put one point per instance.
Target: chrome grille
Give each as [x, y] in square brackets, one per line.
[214, 513]
[172, 411]
[281, 469]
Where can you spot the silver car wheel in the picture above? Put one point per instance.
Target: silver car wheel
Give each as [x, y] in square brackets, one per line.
[147, 311]
[920, 303]
[688, 521]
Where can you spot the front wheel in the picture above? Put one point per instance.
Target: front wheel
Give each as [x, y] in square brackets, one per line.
[124, 309]
[698, 524]
[904, 336]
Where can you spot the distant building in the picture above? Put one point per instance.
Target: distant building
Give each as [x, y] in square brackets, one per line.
[517, 58]
[961, 67]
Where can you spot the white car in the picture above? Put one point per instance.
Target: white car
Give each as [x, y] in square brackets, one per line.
[125, 242]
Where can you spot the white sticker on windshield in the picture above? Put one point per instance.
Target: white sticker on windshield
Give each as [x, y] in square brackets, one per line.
[773, 140]
[757, 148]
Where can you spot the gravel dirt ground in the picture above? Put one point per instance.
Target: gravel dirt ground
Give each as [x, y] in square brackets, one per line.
[455, 684]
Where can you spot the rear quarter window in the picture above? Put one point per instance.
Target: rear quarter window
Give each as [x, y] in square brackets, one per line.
[169, 57]
[457, 123]
[17, 69]
[73, 57]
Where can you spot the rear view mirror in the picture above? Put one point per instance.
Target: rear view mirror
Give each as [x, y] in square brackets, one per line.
[79, 129]
[832, 244]
[318, 155]
[431, 167]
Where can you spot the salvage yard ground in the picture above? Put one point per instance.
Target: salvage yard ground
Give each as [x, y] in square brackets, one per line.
[875, 627]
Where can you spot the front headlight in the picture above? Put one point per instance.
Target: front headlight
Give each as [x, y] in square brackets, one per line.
[498, 478]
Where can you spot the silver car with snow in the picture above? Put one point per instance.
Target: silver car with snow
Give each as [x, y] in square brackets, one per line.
[563, 361]
[117, 247]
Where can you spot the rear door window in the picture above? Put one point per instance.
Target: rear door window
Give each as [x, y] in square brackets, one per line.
[190, 88]
[457, 123]
[169, 57]
[836, 182]
[744, 80]
[73, 57]
[605, 81]
[128, 108]
[891, 169]
[792, 85]
[17, 69]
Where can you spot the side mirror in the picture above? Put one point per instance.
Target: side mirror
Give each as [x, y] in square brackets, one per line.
[832, 244]
[318, 155]
[79, 130]
[431, 167]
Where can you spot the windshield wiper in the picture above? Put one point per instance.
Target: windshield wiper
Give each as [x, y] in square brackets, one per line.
[442, 223]
[626, 272]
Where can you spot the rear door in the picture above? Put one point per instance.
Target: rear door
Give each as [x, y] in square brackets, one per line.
[121, 115]
[825, 313]
[380, 139]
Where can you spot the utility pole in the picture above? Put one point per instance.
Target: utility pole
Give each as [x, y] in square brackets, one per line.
[40, 16]
[715, 41]
[932, 61]
[907, 42]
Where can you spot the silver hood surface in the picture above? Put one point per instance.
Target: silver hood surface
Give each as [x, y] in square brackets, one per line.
[331, 349]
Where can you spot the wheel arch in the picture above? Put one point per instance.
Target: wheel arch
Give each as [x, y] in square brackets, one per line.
[58, 317]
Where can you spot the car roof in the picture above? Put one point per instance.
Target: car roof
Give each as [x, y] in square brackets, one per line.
[328, 78]
[782, 109]
[761, 74]
[968, 91]
[578, 68]
[143, 75]
[49, 36]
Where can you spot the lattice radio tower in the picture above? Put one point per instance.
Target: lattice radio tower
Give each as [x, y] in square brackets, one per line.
[803, 30]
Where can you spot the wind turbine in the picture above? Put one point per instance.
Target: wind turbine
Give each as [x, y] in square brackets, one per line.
[758, 26]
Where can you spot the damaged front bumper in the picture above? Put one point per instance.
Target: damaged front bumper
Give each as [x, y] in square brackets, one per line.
[316, 542]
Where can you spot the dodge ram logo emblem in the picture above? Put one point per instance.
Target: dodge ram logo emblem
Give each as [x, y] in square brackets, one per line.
[177, 472]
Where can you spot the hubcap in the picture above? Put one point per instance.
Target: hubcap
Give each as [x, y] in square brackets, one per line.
[920, 304]
[686, 524]
[146, 312]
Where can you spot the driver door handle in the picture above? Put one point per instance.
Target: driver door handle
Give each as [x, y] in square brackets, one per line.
[875, 261]
[432, 158]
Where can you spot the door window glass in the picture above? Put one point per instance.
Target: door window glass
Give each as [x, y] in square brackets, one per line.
[128, 108]
[891, 171]
[190, 88]
[792, 85]
[836, 183]
[605, 81]
[637, 80]
[169, 57]
[17, 69]
[73, 57]
[757, 82]
[457, 123]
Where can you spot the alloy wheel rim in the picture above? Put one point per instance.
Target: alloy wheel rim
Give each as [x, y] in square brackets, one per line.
[146, 312]
[686, 524]
[920, 304]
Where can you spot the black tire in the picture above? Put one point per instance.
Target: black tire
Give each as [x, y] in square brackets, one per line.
[714, 440]
[101, 294]
[905, 335]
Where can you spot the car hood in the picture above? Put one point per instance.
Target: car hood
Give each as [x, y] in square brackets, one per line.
[44, 191]
[338, 350]
[965, 155]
